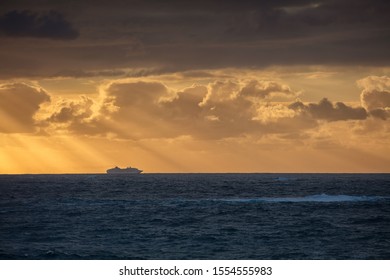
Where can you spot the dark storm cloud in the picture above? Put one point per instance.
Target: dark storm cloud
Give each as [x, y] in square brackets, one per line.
[237, 21]
[191, 35]
[51, 25]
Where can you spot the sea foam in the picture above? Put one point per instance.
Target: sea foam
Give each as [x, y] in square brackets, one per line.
[309, 198]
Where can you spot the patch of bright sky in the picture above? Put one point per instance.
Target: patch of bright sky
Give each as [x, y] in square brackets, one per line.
[70, 86]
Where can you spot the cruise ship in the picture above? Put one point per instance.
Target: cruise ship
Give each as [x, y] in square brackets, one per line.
[128, 170]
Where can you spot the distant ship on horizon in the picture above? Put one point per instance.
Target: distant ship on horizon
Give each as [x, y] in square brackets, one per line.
[127, 170]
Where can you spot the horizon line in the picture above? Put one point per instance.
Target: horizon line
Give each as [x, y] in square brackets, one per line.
[205, 173]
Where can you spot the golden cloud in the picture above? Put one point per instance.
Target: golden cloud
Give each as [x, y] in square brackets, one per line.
[375, 96]
[19, 102]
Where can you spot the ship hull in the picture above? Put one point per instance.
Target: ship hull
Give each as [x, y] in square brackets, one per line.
[124, 172]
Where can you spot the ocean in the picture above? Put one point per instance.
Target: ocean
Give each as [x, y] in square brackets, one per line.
[195, 216]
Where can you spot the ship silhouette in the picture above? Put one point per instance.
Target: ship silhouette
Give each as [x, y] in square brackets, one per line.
[127, 170]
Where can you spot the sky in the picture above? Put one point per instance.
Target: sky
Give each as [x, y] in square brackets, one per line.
[194, 86]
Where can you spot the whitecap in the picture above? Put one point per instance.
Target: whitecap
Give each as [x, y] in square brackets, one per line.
[310, 198]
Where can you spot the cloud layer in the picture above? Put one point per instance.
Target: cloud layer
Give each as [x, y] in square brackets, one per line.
[220, 109]
[136, 109]
[51, 25]
[190, 35]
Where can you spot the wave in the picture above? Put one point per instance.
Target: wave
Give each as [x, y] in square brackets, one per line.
[310, 198]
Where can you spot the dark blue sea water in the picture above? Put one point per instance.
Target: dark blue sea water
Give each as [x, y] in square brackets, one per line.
[195, 216]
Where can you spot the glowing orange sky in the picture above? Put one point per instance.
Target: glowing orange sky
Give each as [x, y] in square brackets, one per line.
[237, 90]
[226, 125]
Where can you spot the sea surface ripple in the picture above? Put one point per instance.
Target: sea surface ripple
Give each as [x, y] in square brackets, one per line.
[195, 216]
